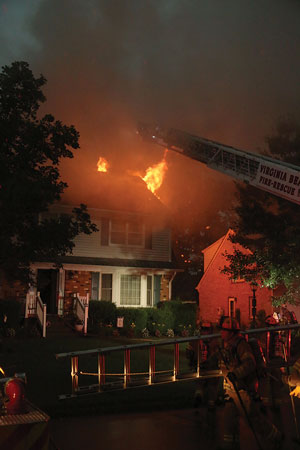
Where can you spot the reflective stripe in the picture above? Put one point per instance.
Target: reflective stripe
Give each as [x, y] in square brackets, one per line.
[296, 366]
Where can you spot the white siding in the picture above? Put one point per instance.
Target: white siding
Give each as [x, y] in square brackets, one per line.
[90, 245]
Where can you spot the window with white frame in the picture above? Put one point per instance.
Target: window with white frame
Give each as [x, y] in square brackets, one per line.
[231, 306]
[106, 287]
[135, 233]
[130, 290]
[131, 232]
[101, 286]
[95, 286]
[117, 232]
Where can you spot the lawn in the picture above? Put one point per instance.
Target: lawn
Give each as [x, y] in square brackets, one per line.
[48, 377]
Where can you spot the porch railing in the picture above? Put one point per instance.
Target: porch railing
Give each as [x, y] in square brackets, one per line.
[81, 310]
[127, 378]
[41, 313]
[30, 304]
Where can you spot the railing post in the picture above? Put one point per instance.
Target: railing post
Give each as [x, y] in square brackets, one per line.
[44, 319]
[268, 335]
[198, 356]
[86, 309]
[176, 361]
[288, 347]
[151, 364]
[126, 366]
[27, 306]
[74, 373]
[101, 370]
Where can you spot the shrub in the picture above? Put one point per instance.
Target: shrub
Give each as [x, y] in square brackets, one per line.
[134, 318]
[12, 310]
[180, 314]
[102, 312]
[160, 319]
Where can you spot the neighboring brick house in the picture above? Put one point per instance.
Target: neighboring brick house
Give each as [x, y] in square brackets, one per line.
[128, 261]
[219, 295]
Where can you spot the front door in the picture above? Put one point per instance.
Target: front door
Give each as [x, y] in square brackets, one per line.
[47, 287]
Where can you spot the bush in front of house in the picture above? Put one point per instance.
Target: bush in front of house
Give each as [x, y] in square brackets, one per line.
[160, 320]
[135, 320]
[10, 316]
[102, 313]
[182, 314]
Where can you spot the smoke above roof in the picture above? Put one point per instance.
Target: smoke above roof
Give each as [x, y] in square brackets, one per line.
[221, 70]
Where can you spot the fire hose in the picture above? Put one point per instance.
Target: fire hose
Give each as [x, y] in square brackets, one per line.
[242, 404]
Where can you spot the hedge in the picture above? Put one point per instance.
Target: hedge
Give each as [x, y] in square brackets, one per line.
[12, 309]
[171, 315]
[102, 312]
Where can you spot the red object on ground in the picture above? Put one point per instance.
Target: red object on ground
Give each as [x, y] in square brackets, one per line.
[15, 391]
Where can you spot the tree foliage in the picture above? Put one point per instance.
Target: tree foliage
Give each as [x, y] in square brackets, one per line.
[270, 226]
[31, 150]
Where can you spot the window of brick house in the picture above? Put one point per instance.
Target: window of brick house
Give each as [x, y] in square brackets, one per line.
[231, 306]
[130, 290]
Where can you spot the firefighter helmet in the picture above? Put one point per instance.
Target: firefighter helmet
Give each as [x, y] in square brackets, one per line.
[271, 320]
[230, 324]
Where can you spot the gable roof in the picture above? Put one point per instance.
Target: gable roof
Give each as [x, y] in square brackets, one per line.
[216, 248]
[115, 192]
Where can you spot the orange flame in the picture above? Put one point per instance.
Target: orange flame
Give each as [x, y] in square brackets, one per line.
[102, 165]
[155, 175]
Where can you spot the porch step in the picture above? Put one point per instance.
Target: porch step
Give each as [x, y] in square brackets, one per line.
[58, 326]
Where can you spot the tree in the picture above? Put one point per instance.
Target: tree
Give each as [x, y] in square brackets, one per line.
[270, 226]
[31, 150]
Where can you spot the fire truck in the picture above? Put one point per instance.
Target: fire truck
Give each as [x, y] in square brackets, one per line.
[276, 177]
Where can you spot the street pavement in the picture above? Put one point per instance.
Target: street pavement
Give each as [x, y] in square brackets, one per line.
[162, 430]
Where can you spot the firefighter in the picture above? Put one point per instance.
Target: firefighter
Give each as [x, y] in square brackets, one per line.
[293, 379]
[192, 347]
[207, 394]
[238, 364]
[276, 342]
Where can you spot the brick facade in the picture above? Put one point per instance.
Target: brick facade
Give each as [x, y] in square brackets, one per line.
[215, 289]
[76, 282]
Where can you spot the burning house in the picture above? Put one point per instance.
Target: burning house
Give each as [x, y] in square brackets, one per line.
[128, 261]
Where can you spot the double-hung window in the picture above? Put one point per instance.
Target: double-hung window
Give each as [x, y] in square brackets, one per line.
[127, 233]
[118, 232]
[102, 286]
[130, 290]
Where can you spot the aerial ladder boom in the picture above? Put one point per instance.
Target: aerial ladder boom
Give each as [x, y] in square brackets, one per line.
[271, 175]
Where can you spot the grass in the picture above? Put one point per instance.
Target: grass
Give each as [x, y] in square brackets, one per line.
[48, 377]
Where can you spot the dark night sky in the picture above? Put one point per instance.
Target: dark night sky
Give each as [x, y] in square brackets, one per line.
[225, 70]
